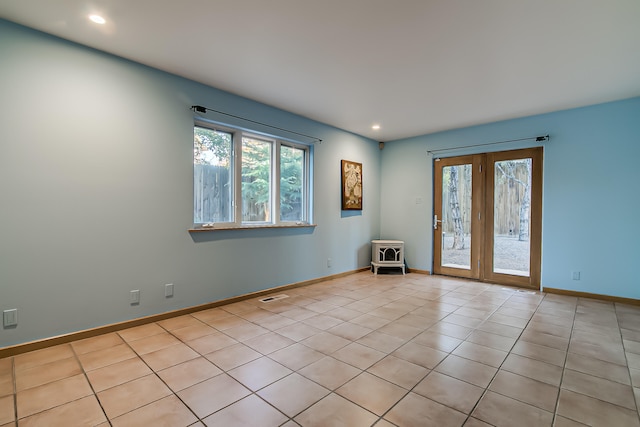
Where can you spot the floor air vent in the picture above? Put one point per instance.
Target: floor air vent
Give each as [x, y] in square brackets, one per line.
[521, 291]
[274, 298]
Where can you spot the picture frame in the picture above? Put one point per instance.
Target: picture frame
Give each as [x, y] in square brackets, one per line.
[351, 173]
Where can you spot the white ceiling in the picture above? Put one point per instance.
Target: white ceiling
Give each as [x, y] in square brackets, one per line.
[413, 66]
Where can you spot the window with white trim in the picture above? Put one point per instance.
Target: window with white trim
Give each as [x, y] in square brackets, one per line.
[244, 179]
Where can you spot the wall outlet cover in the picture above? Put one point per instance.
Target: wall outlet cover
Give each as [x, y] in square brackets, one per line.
[10, 318]
[168, 290]
[134, 297]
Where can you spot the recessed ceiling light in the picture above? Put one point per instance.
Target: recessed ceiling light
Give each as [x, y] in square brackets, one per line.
[375, 127]
[97, 19]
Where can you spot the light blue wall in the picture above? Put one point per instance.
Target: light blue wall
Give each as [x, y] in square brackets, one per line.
[591, 193]
[96, 193]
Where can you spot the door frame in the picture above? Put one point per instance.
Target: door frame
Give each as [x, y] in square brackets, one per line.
[477, 223]
[535, 236]
[482, 236]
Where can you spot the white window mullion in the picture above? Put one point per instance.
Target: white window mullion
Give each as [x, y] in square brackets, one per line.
[275, 188]
[237, 178]
[307, 200]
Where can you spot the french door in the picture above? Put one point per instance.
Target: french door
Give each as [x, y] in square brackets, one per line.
[488, 217]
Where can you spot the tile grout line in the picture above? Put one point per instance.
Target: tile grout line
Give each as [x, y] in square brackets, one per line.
[158, 376]
[564, 365]
[450, 353]
[465, 340]
[362, 371]
[486, 389]
[615, 308]
[75, 357]
[84, 373]
[252, 392]
[586, 395]
[14, 374]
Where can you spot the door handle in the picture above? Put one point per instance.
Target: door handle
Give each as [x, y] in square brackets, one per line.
[435, 222]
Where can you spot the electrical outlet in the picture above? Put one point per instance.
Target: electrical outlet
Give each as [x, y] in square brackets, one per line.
[134, 297]
[328, 262]
[575, 275]
[168, 290]
[10, 318]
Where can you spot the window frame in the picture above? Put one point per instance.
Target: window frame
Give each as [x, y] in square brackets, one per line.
[237, 135]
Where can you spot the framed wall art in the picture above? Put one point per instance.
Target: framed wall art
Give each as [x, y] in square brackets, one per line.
[351, 185]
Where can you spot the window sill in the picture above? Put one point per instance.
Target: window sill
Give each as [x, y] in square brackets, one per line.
[249, 227]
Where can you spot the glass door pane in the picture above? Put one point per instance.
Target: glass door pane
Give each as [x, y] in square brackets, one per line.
[456, 216]
[457, 225]
[512, 216]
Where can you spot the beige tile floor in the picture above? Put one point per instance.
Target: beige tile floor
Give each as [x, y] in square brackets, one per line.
[362, 350]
